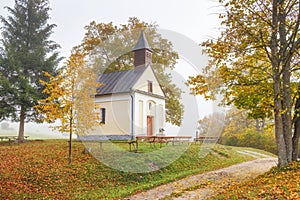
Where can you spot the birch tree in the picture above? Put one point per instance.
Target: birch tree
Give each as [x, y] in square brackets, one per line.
[70, 102]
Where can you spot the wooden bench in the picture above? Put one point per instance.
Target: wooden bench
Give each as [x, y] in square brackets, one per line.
[162, 139]
[179, 139]
[11, 138]
[133, 145]
[8, 138]
[149, 139]
[98, 140]
[201, 139]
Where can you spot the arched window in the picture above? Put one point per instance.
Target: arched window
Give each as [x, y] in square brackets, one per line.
[150, 106]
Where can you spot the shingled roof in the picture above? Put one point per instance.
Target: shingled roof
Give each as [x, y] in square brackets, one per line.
[120, 82]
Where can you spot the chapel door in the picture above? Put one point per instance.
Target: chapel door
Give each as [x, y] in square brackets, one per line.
[149, 125]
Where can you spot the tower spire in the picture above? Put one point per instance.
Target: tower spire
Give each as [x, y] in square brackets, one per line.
[142, 51]
[142, 42]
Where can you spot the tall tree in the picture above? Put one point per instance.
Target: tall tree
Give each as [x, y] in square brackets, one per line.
[110, 48]
[26, 53]
[255, 59]
[296, 122]
[69, 99]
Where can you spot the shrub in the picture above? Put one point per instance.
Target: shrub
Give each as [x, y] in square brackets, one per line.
[251, 138]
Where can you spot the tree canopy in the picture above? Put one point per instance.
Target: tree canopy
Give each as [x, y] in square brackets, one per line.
[255, 63]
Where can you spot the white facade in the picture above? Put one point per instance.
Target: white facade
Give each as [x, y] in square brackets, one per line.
[117, 114]
[138, 112]
[148, 107]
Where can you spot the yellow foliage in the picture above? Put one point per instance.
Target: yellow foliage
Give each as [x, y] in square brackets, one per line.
[71, 96]
[240, 67]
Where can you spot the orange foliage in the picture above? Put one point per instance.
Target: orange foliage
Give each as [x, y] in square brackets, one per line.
[277, 184]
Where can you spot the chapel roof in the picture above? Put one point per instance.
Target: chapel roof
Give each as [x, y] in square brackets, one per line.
[121, 81]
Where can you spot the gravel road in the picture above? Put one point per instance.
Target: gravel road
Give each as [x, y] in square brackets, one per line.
[205, 185]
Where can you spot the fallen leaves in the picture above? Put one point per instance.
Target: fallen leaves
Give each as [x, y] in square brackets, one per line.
[39, 170]
[276, 184]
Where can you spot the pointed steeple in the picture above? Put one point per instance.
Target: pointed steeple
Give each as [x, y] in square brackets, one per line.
[142, 51]
[142, 43]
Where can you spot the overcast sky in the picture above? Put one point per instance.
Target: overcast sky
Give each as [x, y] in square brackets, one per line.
[196, 19]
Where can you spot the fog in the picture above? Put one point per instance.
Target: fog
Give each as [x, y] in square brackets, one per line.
[33, 130]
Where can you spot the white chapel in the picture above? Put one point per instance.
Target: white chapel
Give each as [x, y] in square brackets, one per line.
[131, 102]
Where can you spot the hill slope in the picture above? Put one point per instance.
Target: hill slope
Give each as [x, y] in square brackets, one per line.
[39, 169]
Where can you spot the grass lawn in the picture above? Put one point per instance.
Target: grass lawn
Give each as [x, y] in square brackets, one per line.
[39, 169]
[276, 184]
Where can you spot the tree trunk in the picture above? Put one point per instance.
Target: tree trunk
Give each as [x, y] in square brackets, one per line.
[287, 119]
[70, 142]
[296, 139]
[263, 122]
[286, 82]
[277, 83]
[281, 145]
[296, 130]
[21, 125]
[257, 127]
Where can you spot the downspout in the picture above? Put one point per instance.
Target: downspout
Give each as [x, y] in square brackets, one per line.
[132, 115]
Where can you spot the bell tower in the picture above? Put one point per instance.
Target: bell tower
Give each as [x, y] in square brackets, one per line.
[142, 51]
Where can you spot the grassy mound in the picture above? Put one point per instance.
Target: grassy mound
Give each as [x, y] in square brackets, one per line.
[39, 170]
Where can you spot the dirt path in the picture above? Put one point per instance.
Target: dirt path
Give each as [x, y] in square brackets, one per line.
[205, 185]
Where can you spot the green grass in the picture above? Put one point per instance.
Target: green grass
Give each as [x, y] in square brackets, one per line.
[39, 169]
